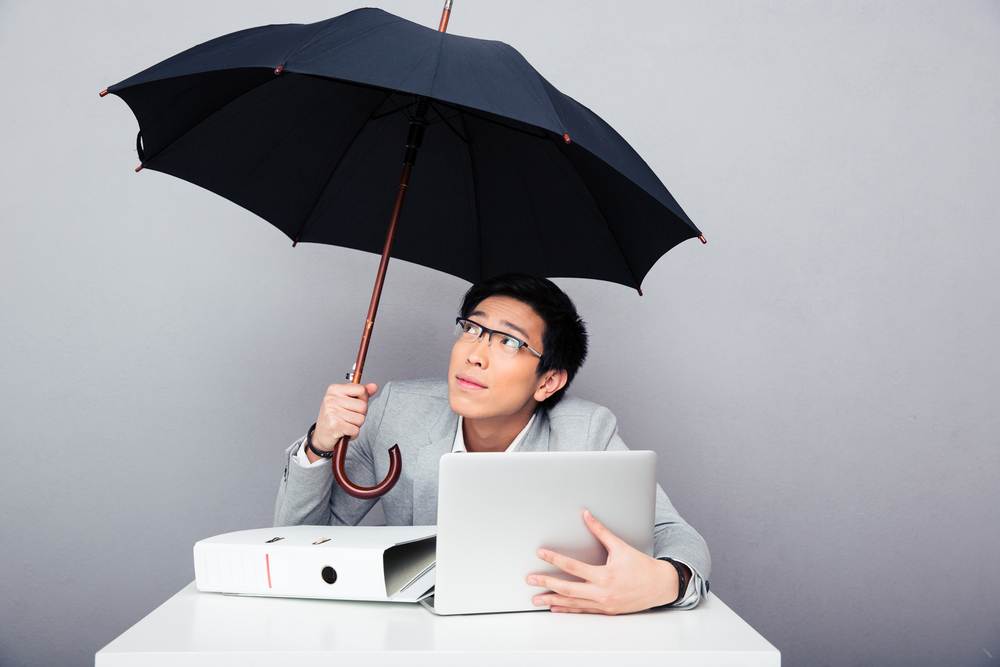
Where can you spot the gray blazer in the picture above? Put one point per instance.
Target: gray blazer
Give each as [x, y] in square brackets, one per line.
[416, 416]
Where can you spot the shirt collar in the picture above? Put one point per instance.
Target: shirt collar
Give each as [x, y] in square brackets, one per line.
[459, 445]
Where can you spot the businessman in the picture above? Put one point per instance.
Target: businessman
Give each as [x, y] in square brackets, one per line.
[519, 344]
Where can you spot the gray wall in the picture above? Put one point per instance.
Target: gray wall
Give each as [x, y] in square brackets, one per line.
[821, 380]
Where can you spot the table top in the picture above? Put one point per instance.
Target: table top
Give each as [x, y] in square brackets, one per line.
[194, 628]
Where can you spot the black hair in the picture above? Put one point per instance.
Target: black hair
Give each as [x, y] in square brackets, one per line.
[565, 337]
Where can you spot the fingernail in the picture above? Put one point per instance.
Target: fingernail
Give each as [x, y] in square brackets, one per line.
[541, 554]
[532, 581]
[538, 602]
[587, 515]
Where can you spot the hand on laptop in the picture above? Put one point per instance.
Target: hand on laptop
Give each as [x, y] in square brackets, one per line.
[629, 581]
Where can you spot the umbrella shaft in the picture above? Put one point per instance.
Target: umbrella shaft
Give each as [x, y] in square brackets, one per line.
[380, 278]
[413, 141]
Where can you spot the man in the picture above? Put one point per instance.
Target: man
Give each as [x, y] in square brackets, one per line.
[520, 343]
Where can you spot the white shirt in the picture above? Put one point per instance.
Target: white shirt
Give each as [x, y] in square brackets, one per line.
[303, 460]
[459, 445]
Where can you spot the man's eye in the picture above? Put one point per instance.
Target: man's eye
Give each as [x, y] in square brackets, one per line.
[471, 328]
[511, 342]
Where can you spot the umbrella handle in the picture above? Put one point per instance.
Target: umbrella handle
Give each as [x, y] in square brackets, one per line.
[365, 492]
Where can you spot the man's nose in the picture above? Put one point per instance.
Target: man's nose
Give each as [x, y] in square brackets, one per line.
[478, 353]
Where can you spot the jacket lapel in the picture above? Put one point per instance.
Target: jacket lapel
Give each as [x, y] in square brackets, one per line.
[537, 437]
[441, 439]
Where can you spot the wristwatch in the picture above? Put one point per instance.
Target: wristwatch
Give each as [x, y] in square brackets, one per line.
[318, 452]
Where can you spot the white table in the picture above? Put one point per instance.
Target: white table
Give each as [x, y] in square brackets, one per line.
[194, 629]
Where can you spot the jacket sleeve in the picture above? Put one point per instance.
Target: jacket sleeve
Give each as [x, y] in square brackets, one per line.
[311, 496]
[672, 536]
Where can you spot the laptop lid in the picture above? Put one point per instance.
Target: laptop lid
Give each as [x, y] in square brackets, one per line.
[496, 510]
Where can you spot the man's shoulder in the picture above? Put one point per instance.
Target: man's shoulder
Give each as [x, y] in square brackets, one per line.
[575, 424]
[433, 388]
[410, 406]
[572, 407]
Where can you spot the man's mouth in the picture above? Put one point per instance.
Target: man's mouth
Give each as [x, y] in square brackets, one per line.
[467, 382]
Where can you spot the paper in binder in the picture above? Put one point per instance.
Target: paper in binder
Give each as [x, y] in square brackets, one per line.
[380, 563]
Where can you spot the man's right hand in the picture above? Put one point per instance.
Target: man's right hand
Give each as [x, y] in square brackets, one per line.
[342, 413]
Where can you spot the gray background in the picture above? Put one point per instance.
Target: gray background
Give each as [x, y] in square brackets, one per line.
[820, 380]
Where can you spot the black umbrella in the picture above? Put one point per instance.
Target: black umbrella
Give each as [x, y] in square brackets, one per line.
[304, 124]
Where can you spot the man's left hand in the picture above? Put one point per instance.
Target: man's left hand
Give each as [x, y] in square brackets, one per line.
[629, 581]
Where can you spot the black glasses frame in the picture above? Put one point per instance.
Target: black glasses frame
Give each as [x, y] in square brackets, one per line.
[490, 332]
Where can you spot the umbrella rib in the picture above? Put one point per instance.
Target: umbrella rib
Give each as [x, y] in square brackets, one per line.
[398, 109]
[494, 121]
[319, 194]
[559, 146]
[475, 197]
[458, 134]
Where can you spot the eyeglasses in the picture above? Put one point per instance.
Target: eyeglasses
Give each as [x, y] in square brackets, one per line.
[470, 332]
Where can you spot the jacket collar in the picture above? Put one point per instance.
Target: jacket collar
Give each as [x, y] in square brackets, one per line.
[440, 441]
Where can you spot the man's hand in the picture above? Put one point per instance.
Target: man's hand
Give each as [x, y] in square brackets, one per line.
[341, 413]
[630, 581]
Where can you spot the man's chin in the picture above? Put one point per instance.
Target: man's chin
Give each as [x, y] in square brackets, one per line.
[462, 405]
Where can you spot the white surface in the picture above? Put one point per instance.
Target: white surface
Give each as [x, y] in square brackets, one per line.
[495, 512]
[194, 629]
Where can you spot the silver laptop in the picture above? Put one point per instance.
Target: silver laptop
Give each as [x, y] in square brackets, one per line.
[496, 510]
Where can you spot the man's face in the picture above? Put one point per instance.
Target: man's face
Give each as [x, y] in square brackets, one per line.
[485, 385]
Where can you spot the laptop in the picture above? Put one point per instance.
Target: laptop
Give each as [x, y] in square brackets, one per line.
[496, 510]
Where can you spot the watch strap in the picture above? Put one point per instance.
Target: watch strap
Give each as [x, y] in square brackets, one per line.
[681, 580]
[318, 452]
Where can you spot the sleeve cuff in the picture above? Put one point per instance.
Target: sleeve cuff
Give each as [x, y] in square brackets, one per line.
[303, 461]
[692, 595]
[696, 587]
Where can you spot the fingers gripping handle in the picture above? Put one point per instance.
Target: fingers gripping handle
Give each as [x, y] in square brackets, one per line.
[365, 492]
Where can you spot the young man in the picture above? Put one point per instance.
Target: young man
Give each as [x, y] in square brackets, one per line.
[520, 343]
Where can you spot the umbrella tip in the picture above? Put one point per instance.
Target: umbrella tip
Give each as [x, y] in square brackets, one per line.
[566, 138]
[703, 239]
[104, 92]
[279, 69]
[638, 289]
[295, 242]
[445, 15]
[139, 168]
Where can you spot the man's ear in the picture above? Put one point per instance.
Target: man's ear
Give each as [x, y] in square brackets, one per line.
[551, 382]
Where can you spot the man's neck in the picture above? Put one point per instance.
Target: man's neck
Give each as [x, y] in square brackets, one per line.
[496, 434]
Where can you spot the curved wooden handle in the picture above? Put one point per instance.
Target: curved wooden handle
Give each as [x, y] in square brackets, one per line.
[365, 492]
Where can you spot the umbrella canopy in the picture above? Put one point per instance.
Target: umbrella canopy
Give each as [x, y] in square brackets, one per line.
[304, 125]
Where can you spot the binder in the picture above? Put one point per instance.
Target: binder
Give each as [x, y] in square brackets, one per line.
[378, 563]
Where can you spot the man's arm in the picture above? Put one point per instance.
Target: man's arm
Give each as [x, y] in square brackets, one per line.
[306, 494]
[655, 579]
[629, 581]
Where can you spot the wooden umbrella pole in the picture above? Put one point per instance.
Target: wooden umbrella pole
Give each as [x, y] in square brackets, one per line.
[418, 124]
[390, 236]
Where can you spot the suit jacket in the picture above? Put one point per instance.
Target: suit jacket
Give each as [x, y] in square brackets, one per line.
[416, 415]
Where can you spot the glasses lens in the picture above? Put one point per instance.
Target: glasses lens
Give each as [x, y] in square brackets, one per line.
[505, 346]
[465, 330]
